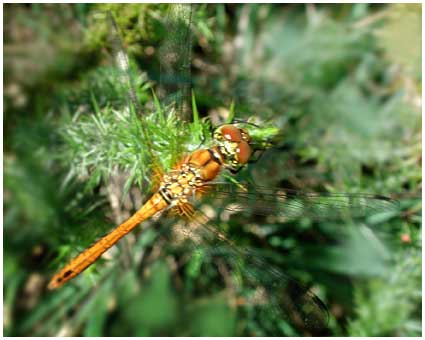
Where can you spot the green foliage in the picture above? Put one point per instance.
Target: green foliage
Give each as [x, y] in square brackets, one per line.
[98, 145]
[389, 305]
[400, 38]
[336, 89]
[155, 308]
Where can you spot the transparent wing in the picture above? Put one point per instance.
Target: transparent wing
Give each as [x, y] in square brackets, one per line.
[293, 204]
[122, 63]
[127, 80]
[273, 289]
[175, 59]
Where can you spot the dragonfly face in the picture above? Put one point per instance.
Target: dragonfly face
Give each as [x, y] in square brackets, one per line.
[233, 144]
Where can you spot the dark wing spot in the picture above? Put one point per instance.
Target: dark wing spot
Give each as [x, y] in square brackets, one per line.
[384, 198]
[59, 279]
[69, 272]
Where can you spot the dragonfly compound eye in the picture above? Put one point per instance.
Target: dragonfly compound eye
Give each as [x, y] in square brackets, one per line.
[231, 133]
[243, 152]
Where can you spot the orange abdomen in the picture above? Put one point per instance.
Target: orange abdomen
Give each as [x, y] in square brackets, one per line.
[86, 258]
[209, 164]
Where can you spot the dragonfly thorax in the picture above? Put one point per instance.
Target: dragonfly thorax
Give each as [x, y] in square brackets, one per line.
[180, 184]
[233, 144]
[231, 150]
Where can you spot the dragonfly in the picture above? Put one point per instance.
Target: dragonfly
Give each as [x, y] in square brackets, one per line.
[197, 176]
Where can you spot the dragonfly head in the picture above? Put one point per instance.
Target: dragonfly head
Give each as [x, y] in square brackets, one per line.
[233, 144]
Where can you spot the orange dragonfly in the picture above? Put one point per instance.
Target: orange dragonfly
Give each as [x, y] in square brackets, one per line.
[196, 175]
[191, 177]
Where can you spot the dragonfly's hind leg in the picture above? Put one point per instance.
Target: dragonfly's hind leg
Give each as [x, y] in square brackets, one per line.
[184, 210]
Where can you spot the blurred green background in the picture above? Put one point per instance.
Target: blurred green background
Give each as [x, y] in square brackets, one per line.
[341, 82]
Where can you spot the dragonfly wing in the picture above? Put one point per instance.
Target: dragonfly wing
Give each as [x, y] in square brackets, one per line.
[127, 80]
[176, 57]
[125, 76]
[285, 296]
[293, 204]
